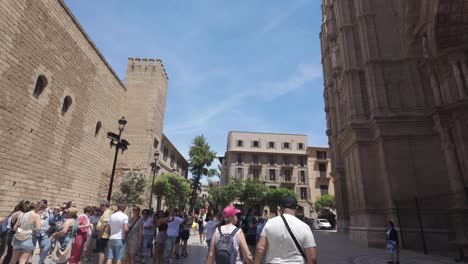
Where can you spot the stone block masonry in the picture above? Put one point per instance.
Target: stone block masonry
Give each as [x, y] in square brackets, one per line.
[59, 98]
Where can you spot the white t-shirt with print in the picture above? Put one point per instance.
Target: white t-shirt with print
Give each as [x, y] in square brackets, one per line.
[116, 223]
[281, 247]
[173, 226]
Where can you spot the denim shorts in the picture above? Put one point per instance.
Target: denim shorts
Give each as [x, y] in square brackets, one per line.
[116, 249]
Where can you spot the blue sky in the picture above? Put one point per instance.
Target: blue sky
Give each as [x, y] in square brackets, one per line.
[247, 65]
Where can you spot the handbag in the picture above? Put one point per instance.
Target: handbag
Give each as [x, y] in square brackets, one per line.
[62, 256]
[22, 235]
[294, 238]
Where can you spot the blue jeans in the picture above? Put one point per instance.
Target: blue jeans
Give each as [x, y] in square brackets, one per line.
[116, 249]
[44, 245]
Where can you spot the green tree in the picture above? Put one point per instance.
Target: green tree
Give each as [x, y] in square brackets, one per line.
[253, 192]
[274, 197]
[173, 188]
[325, 202]
[220, 197]
[161, 188]
[201, 157]
[131, 189]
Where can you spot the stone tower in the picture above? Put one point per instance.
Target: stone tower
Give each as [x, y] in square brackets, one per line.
[146, 83]
[396, 86]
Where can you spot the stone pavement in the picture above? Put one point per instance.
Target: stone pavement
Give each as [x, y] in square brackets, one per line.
[332, 248]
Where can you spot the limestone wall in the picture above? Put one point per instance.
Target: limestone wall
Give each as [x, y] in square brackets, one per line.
[44, 153]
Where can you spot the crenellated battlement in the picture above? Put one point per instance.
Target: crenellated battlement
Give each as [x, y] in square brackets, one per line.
[146, 64]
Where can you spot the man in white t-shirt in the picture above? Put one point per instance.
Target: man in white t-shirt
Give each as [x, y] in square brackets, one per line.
[173, 225]
[118, 226]
[276, 244]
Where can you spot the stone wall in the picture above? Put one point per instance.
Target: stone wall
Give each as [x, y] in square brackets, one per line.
[45, 153]
[396, 96]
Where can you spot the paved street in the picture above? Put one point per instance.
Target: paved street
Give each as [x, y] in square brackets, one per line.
[333, 248]
[336, 249]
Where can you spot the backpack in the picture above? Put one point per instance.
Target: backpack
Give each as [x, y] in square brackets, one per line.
[225, 252]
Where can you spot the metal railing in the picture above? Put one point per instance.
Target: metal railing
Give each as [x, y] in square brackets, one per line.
[434, 224]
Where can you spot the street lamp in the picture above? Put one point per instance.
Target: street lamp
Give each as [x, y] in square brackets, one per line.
[155, 168]
[119, 143]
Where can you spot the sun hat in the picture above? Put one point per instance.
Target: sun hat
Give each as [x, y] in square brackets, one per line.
[230, 211]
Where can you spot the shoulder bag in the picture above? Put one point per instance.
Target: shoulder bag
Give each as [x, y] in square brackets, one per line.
[62, 256]
[22, 234]
[293, 237]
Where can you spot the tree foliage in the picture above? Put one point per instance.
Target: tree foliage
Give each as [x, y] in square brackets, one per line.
[274, 197]
[131, 189]
[325, 202]
[173, 188]
[201, 157]
[252, 192]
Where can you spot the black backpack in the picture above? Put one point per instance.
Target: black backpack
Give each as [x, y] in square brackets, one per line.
[225, 252]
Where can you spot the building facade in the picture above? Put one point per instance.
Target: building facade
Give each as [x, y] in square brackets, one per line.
[60, 98]
[320, 180]
[170, 159]
[278, 160]
[396, 87]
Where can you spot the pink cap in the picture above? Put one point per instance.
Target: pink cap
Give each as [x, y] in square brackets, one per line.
[230, 211]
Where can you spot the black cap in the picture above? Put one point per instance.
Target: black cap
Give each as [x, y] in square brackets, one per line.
[289, 202]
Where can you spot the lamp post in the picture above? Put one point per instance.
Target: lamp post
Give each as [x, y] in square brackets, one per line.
[155, 168]
[119, 143]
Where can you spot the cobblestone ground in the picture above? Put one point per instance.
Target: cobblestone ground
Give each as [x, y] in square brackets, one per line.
[332, 247]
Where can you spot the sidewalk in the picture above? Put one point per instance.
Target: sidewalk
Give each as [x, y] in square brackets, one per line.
[335, 248]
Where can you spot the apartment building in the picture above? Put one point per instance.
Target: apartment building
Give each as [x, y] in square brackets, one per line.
[278, 160]
[319, 173]
[171, 160]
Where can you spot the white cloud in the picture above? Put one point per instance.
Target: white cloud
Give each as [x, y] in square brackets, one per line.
[279, 18]
[198, 121]
[303, 74]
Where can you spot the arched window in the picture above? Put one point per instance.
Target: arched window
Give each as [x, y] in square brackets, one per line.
[41, 83]
[66, 104]
[98, 128]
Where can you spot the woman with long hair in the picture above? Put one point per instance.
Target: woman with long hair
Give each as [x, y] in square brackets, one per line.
[27, 228]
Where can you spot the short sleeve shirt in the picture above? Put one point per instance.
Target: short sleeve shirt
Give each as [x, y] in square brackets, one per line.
[117, 222]
[281, 247]
[103, 221]
[173, 227]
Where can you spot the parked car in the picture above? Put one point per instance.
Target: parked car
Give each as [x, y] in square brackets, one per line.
[322, 224]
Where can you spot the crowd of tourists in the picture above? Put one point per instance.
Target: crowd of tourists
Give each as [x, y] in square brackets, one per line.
[134, 235]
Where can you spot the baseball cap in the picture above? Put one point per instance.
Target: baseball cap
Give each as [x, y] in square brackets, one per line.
[44, 201]
[230, 211]
[289, 202]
